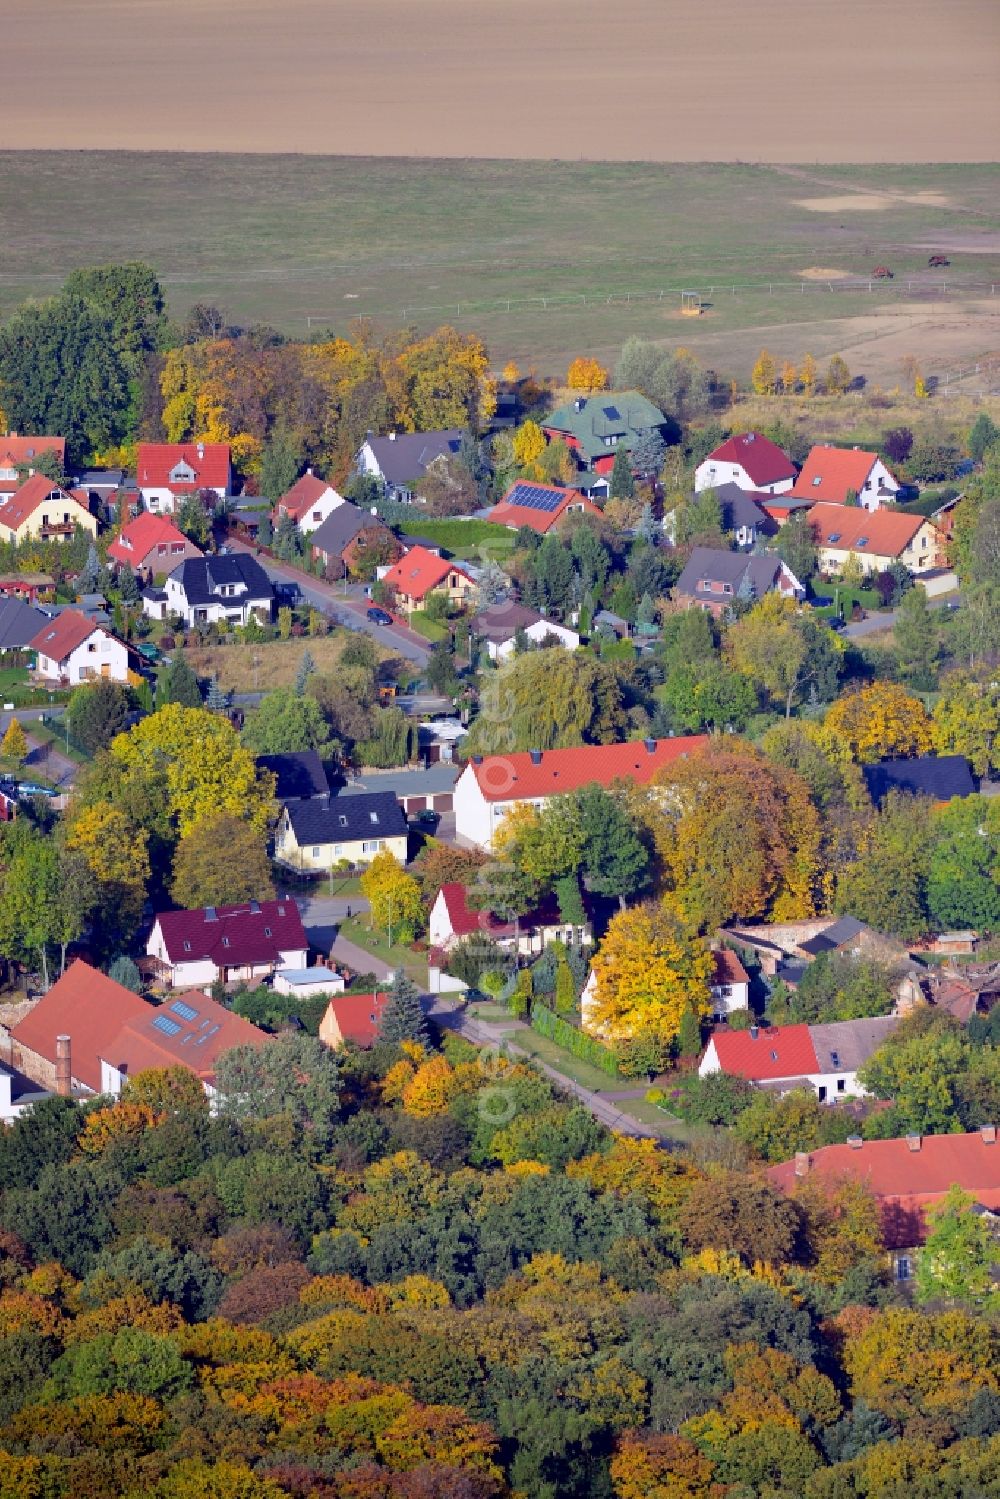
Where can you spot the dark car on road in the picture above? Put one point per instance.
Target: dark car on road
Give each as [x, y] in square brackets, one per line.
[379, 616]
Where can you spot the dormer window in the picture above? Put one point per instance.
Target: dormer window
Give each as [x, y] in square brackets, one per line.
[834, 536]
[817, 481]
[862, 541]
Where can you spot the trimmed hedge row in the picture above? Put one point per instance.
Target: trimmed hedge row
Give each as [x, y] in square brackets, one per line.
[578, 1043]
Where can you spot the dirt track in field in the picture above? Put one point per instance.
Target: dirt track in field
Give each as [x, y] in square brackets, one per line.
[644, 80]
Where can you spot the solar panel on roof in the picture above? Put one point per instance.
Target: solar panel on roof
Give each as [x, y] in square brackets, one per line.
[535, 497]
[612, 413]
[166, 1025]
[184, 1011]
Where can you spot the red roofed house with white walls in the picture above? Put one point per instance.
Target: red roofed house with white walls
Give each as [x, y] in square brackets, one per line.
[748, 460]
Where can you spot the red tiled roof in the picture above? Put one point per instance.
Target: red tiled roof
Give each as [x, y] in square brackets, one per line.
[32, 493]
[762, 459]
[465, 919]
[419, 572]
[60, 636]
[509, 512]
[358, 1016]
[906, 1180]
[141, 535]
[303, 493]
[209, 461]
[24, 450]
[837, 469]
[189, 1031]
[191, 935]
[88, 1007]
[776, 1052]
[516, 777]
[889, 532]
[728, 968]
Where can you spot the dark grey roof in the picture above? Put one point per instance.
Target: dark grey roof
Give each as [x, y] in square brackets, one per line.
[201, 577]
[501, 621]
[19, 623]
[299, 774]
[102, 478]
[846, 1045]
[739, 508]
[406, 456]
[939, 776]
[344, 819]
[833, 936]
[754, 574]
[340, 527]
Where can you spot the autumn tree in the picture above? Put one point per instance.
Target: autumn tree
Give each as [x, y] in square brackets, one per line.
[587, 375]
[741, 1214]
[786, 649]
[736, 836]
[808, 375]
[956, 1262]
[879, 722]
[549, 700]
[650, 969]
[646, 1465]
[393, 897]
[529, 445]
[764, 377]
[838, 376]
[15, 743]
[221, 862]
[967, 722]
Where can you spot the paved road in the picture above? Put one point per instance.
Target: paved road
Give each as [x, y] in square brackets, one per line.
[876, 622]
[447, 1011]
[356, 958]
[347, 609]
[322, 915]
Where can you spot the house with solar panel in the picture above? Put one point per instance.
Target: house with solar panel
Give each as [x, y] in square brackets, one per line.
[237, 944]
[595, 427]
[540, 507]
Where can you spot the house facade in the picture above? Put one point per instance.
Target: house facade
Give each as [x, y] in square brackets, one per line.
[729, 985]
[782, 1058]
[419, 573]
[42, 511]
[833, 474]
[308, 503]
[192, 949]
[353, 1018]
[205, 589]
[322, 832]
[492, 786]
[540, 507]
[398, 461]
[151, 545]
[499, 626]
[877, 538]
[72, 649]
[347, 534]
[749, 461]
[168, 472]
[713, 579]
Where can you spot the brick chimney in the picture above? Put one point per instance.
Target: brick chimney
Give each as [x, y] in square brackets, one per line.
[988, 1133]
[855, 1142]
[64, 1067]
[802, 1163]
[913, 1142]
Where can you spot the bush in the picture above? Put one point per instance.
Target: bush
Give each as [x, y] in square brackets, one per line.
[578, 1043]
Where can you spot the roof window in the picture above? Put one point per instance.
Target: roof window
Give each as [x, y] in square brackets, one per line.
[774, 1056]
[833, 536]
[267, 931]
[187, 947]
[373, 816]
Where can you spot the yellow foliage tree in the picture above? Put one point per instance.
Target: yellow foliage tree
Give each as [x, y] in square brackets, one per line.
[587, 375]
[650, 970]
[789, 377]
[393, 897]
[510, 373]
[529, 444]
[878, 723]
[764, 377]
[967, 722]
[838, 376]
[118, 1121]
[15, 743]
[116, 852]
[649, 1466]
[808, 375]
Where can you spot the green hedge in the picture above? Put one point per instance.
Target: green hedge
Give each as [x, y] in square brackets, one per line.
[576, 1042]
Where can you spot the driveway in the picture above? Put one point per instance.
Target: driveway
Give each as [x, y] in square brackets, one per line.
[347, 609]
[322, 915]
[885, 621]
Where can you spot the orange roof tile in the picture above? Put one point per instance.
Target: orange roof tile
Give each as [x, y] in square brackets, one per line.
[418, 572]
[775, 1052]
[155, 461]
[538, 506]
[141, 535]
[518, 777]
[59, 636]
[88, 1007]
[878, 533]
[358, 1016]
[32, 493]
[303, 493]
[24, 450]
[828, 473]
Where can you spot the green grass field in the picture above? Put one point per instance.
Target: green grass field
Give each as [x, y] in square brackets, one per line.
[545, 259]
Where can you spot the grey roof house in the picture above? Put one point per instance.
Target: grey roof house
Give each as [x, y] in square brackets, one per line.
[345, 531]
[714, 579]
[324, 831]
[19, 624]
[941, 777]
[299, 775]
[399, 461]
[203, 589]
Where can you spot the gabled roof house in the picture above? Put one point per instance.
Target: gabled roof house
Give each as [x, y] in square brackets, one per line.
[750, 461]
[72, 648]
[941, 777]
[401, 459]
[452, 918]
[18, 453]
[713, 579]
[319, 832]
[876, 538]
[831, 474]
[489, 787]
[352, 1018]
[167, 472]
[203, 589]
[151, 544]
[781, 1058]
[419, 573]
[308, 503]
[39, 510]
[595, 427]
[191, 949]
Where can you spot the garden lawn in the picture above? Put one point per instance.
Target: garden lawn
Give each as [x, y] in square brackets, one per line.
[546, 1050]
[270, 664]
[357, 930]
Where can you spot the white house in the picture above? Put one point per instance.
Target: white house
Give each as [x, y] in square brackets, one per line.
[167, 472]
[191, 949]
[203, 589]
[748, 460]
[400, 460]
[324, 831]
[72, 649]
[834, 474]
[782, 1058]
[452, 918]
[309, 502]
[489, 787]
[730, 984]
[499, 626]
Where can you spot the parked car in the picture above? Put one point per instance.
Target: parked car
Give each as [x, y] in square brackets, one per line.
[379, 616]
[426, 819]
